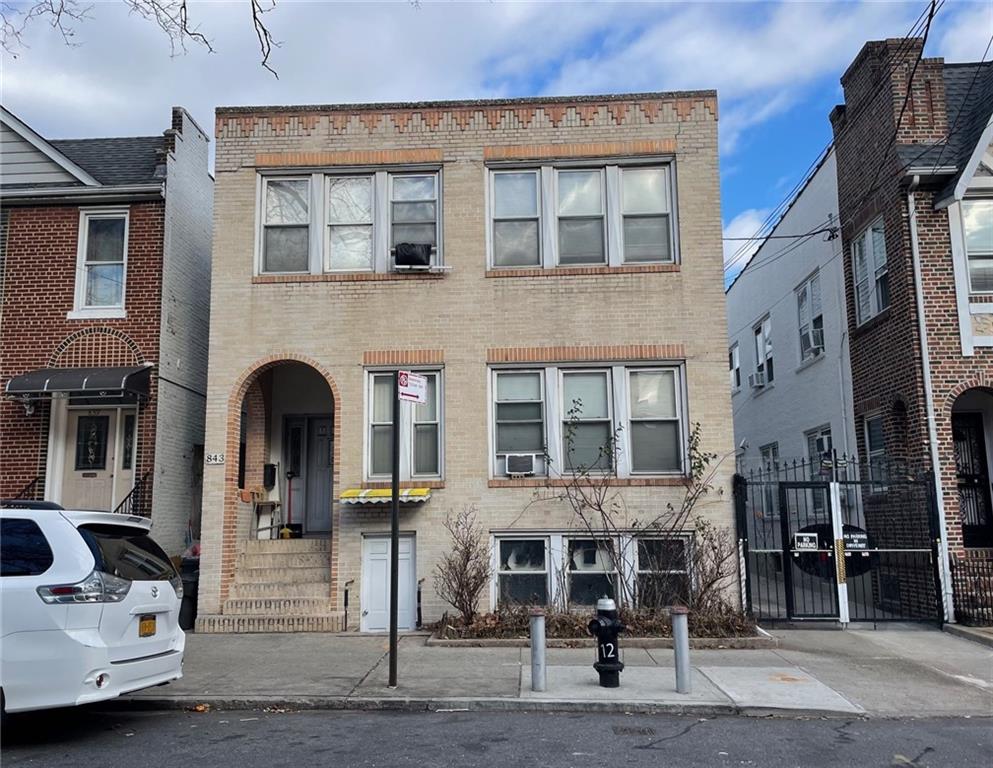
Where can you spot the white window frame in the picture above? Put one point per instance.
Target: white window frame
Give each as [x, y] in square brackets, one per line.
[499, 464]
[566, 407]
[969, 255]
[770, 450]
[667, 190]
[873, 271]
[438, 422]
[81, 310]
[328, 224]
[497, 573]
[763, 330]
[603, 216]
[615, 573]
[734, 366]
[407, 422]
[807, 287]
[261, 228]
[878, 477]
[391, 175]
[639, 570]
[678, 418]
[612, 206]
[493, 219]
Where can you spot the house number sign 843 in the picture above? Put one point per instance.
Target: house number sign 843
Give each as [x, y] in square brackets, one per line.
[215, 458]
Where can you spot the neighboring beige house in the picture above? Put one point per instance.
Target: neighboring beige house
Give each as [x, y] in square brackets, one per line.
[571, 249]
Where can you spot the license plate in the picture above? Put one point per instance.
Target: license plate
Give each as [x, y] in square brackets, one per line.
[146, 626]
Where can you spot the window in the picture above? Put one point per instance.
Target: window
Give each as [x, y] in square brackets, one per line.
[977, 219]
[91, 442]
[818, 445]
[587, 433]
[592, 571]
[763, 350]
[414, 210]
[350, 209]
[24, 550]
[102, 260]
[420, 429]
[654, 425]
[645, 210]
[770, 455]
[128, 459]
[522, 575]
[286, 226]
[872, 288]
[520, 415]
[126, 553]
[734, 366]
[875, 447]
[811, 319]
[663, 572]
[580, 215]
[516, 219]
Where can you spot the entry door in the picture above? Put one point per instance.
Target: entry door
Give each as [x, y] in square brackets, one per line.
[318, 481]
[90, 460]
[972, 474]
[376, 584]
[808, 550]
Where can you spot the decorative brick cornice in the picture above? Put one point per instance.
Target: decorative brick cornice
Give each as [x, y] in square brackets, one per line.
[573, 150]
[404, 357]
[614, 482]
[626, 269]
[348, 157]
[347, 277]
[586, 354]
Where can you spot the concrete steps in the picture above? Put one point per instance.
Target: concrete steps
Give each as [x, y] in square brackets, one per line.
[280, 585]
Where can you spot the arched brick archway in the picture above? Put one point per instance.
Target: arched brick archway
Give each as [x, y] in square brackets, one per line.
[96, 346]
[229, 544]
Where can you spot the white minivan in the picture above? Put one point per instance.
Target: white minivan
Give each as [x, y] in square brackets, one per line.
[89, 608]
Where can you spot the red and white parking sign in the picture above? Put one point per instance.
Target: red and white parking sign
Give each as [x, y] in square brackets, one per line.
[413, 387]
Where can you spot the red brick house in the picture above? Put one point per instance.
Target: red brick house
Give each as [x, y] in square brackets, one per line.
[105, 280]
[915, 190]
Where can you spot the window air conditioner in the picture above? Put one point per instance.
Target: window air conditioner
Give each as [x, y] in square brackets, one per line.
[756, 380]
[520, 464]
[823, 445]
[815, 341]
[412, 256]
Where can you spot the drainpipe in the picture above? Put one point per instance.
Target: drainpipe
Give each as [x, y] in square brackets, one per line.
[929, 403]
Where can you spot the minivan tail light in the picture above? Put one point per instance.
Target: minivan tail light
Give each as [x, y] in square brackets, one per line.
[98, 587]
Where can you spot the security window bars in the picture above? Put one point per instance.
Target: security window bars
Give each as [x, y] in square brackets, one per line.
[763, 350]
[286, 225]
[522, 573]
[103, 249]
[663, 572]
[654, 421]
[872, 288]
[977, 220]
[645, 208]
[587, 433]
[811, 318]
[350, 223]
[516, 219]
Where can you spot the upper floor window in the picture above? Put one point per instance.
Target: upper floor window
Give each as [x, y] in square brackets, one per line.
[734, 367]
[977, 219]
[101, 261]
[365, 218]
[872, 287]
[875, 448]
[568, 216]
[811, 318]
[420, 429]
[763, 350]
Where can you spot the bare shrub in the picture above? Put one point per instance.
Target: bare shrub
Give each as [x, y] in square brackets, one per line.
[464, 571]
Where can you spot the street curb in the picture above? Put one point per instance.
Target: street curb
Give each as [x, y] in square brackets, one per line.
[761, 641]
[969, 633]
[413, 704]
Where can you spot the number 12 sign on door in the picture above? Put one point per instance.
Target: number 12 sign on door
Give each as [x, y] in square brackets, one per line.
[412, 387]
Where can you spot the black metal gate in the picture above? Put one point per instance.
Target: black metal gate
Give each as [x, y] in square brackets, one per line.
[833, 540]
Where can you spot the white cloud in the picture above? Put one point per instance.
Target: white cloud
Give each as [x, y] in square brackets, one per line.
[745, 224]
[968, 32]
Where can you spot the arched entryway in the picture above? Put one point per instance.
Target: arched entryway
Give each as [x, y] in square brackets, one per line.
[972, 433]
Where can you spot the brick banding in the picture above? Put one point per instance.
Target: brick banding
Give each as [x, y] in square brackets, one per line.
[404, 357]
[592, 354]
[583, 149]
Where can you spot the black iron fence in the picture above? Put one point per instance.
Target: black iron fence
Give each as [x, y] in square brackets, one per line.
[972, 587]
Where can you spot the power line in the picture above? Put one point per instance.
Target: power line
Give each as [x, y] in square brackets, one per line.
[827, 230]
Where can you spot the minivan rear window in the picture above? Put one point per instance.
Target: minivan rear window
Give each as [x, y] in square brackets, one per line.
[127, 552]
[24, 550]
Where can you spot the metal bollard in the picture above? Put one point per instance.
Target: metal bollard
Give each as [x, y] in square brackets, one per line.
[681, 645]
[537, 650]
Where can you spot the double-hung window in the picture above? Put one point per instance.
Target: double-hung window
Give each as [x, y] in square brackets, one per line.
[875, 449]
[592, 570]
[414, 210]
[522, 573]
[587, 429]
[872, 288]
[516, 219]
[763, 350]
[101, 261]
[811, 318]
[581, 217]
[734, 367]
[645, 209]
[663, 572]
[519, 416]
[653, 428]
[977, 220]
[420, 429]
[286, 225]
[350, 228]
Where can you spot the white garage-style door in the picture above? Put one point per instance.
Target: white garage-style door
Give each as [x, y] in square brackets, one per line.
[376, 584]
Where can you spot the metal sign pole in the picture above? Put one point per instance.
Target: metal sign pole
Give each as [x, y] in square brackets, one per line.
[395, 531]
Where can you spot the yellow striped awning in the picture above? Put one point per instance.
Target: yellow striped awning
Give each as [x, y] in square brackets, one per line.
[384, 495]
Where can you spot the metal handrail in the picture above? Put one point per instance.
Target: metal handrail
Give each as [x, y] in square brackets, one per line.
[28, 491]
[137, 500]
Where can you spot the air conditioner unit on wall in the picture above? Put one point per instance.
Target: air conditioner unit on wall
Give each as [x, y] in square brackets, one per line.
[815, 341]
[756, 380]
[520, 464]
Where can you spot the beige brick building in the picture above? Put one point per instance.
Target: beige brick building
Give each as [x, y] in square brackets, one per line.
[550, 250]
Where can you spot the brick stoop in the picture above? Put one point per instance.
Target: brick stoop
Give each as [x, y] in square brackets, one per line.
[279, 586]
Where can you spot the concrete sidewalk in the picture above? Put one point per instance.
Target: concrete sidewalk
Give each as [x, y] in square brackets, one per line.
[891, 672]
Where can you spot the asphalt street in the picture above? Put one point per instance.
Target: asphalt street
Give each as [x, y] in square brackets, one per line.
[93, 737]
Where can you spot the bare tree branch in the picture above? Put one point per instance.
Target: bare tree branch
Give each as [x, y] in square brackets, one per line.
[266, 41]
[61, 15]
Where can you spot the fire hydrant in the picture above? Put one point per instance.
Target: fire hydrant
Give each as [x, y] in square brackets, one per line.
[605, 627]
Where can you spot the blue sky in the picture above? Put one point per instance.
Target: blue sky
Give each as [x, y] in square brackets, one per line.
[776, 66]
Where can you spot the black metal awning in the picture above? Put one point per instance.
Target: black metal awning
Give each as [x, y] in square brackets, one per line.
[84, 382]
